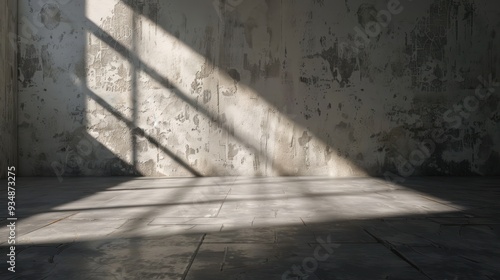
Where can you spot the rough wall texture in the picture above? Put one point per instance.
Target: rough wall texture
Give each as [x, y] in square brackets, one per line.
[8, 85]
[240, 87]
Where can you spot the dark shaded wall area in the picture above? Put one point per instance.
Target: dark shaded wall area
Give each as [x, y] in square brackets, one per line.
[8, 85]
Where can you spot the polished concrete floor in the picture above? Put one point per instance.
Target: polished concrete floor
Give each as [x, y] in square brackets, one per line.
[254, 228]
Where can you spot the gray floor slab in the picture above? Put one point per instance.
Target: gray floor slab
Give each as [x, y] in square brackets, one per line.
[255, 228]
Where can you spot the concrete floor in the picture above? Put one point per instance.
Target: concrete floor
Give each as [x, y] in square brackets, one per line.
[255, 228]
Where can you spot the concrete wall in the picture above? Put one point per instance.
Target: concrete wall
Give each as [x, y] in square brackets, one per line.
[240, 87]
[8, 85]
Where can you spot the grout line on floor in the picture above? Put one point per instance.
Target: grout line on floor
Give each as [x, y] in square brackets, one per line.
[303, 221]
[451, 204]
[395, 252]
[191, 261]
[51, 223]
[222, 204]
[223, 259]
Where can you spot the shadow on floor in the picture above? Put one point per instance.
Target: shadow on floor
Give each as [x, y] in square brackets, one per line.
[251, 228]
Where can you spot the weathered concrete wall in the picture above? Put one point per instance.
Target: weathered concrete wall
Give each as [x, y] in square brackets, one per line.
[8, 85]
[195, 87]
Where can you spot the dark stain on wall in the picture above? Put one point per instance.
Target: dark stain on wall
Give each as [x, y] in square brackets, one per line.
[50, 15]
[29, 64]
[428, 43]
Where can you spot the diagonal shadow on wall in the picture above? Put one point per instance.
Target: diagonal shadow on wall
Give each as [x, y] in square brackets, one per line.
[365, 119]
